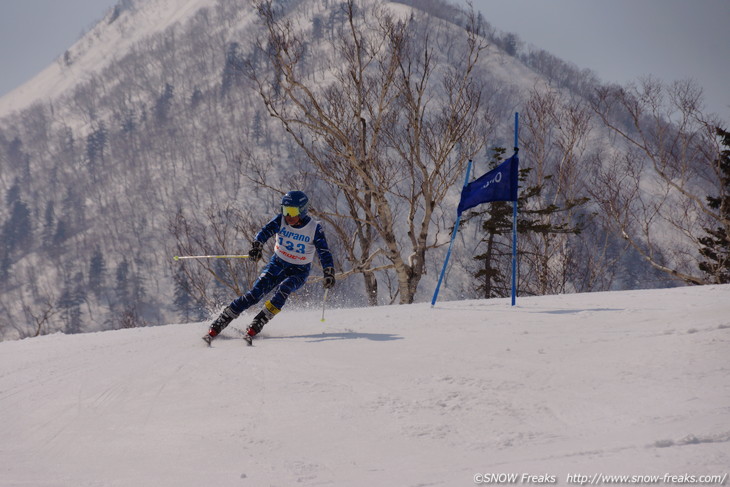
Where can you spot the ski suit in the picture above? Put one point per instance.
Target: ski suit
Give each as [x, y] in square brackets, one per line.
[291, 263]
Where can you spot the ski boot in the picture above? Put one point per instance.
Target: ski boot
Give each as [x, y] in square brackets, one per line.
[259, 321]
[226, 316]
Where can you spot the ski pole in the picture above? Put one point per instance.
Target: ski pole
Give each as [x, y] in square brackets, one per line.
[178, 257]
[324, 300]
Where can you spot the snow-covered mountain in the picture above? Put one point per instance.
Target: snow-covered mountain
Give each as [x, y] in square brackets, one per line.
[128, 129]
[146, 123]
[630, 384]
[129, 23]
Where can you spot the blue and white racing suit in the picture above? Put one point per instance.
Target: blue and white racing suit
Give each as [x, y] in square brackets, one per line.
[291, 263]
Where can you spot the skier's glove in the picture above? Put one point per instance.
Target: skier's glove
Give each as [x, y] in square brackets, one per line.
[255, 252]
[329, 278]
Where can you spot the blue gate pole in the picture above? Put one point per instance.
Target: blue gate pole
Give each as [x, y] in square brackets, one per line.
[453, 236]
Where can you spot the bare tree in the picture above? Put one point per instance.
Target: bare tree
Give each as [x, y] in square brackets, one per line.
[554, 140]
[390, 131]
[222, 231]
[41, 316]
[653, 184]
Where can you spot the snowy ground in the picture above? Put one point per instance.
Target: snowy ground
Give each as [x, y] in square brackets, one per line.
[625, 383]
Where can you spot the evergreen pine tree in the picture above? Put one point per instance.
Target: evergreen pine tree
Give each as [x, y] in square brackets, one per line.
[72, 296]
[122, 284]
[186, 305]
[49, 225]
[716, 245]
[164, 103]
[233, 67]
[492, 277]
[59, 238]
[497, 225]
[97, 273]
[18, 231]
[13, 194]
[96, 143]
[18, 159]
[5, 263]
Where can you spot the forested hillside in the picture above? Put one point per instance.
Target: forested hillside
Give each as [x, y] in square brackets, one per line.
[174, 126]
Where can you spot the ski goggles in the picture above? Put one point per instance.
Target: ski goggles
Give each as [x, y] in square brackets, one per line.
[290, 211]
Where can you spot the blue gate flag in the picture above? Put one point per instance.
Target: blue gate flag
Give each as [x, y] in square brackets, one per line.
[499, 184]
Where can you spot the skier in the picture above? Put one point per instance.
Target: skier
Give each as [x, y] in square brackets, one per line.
[297, 238]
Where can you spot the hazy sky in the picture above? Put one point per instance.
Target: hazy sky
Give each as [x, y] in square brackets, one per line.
[618, 39]
[34, 33]
[622, 40]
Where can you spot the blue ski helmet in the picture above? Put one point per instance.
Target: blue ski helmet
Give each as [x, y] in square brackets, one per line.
[295, 203]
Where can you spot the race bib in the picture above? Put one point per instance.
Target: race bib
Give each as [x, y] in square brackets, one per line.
[296, 245]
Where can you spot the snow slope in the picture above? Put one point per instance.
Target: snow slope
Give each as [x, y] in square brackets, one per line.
[626, 383]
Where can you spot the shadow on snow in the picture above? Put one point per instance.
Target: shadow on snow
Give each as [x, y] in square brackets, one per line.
[352, 335]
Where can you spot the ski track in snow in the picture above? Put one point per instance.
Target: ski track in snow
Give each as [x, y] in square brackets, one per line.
[628, 383]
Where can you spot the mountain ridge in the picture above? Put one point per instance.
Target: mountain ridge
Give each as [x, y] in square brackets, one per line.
[161, 137]
[119, 30]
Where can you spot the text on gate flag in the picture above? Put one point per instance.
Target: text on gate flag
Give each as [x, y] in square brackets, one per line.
[499, 184]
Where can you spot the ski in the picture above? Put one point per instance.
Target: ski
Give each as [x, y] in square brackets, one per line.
[246, 338]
